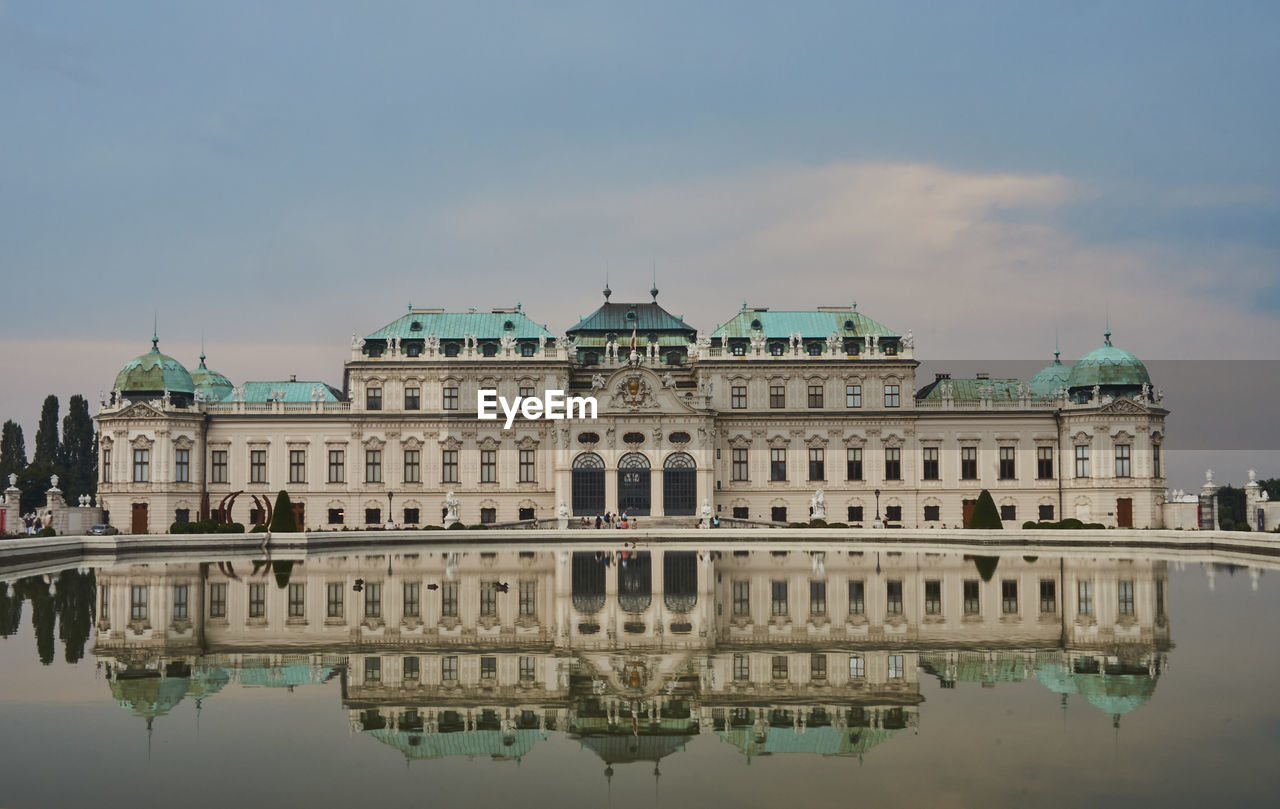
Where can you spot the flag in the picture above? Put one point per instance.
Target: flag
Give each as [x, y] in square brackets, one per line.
[633, 341]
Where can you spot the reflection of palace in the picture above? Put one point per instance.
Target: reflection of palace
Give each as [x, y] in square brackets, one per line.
[752, 420]
[487, 653]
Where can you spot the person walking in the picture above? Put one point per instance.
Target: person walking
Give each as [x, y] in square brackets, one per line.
[598, 521]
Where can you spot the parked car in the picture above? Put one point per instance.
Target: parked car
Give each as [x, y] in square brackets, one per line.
[103, 530]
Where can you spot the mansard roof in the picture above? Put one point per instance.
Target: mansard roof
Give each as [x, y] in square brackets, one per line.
[419, 323]
[816, 324]
[972, 388]
[291, 391]
[620, 318]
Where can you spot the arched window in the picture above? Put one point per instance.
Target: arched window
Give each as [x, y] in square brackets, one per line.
[815, 349]
[526, 349]
[635, 583]
[777, 349]
[633, 484]
[679, 485]
[680, 580]
[588, 485]
[588, 582]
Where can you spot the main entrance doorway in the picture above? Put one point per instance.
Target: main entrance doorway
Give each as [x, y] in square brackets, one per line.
[679, 485]
[139, 519]
[1124, 512]
[588, 485]
[633, 484]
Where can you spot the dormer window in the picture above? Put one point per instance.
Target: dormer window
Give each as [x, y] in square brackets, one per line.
[508, 326]
[415, 325]
[777, 349]
[413, 350]
[848, 325]
[738, 349]
[490, 350]
[815, 349]
[755, 324]
[375, 350]
[526, 349]
[451, 350]
[631, 314]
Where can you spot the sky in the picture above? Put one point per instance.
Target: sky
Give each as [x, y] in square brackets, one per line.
[270, 178]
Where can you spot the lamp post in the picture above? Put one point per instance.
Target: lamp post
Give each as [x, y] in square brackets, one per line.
[877, 505]
[390, 524]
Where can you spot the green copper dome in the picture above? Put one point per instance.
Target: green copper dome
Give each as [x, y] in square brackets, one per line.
[1108, 367]
[212, 384]
[154, 373]
[1050, 378]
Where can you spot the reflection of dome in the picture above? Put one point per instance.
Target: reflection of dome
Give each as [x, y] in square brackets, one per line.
[206, 682]
[212, 385]
[147, 694]
[487, 743]
[153, 373]
[1114, 370]
[1050, 378]
[1114, 689]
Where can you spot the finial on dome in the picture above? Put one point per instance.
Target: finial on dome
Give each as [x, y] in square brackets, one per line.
[1057, 353]
[607, 291]
[155, 333]
[1106, 336]
[653, 290]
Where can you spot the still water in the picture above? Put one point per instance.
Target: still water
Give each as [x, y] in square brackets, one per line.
[657, 677]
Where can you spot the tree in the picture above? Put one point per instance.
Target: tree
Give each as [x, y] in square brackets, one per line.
[1231, 507]
[282, 518]
[13, 451]
[47, 433]
[985, 514]
[78, 455]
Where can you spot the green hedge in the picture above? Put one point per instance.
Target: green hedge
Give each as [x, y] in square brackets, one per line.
[282, 519]
[1069, 524]
[47, 532]
[985, 514]
[457, 526]
[230, 528]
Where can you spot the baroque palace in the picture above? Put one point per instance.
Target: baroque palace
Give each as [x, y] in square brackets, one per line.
[774, 417]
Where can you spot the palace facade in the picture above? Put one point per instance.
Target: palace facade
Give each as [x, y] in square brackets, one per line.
[774, 417]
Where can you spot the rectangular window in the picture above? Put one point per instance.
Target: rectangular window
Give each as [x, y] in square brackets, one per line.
[778, 463]
[929, 457]
[740, 468]
[817, 598]
[1125, 592]
[853, 396]
[182, 515]
[817, 464]
[488, 515]
[932, 513]
[297, 600]
[741, 599]
[373, 466]
[525, 391]
[777, 396]
[1045, 513]
[218, 600]
[449, 466]
[779, 600]
[182, 466]
[891, 395]
[373, 399]
[1155, 460]
[779, 667]
[818, 667]
[337, 516]
[258, 466]
[449, 599]
[528, 472]
[893, 513]
[413, 398]
[106, 468]
[449, 668]
[488, 599]
[853, 463]
[972, 605]
[1008, 512]
[297, 466]
[857, 667]
[933, 597]
[1122, 460]
[1048, 595]
[488, 466]
[969, 463]
[741, 512]
[1082, 461]
[488, 668]
[893, 597]
[180, 602]
[412, 606]
[373, 669]
[412, 466]
[741, 667]
[333, 599]
[337, 466]
[892, 463]
[815, 396]
[1044, 463]
[412, 669]
[257, 600]
[142, 466]
[1009, 596]
[373, 516]
[857, 597]
[895, 667]
[1084, 591]
[218, 466]
[1007, 468]
[373, 600]
[451, 398]
[526, 667]
[738, 397]
[528, 598]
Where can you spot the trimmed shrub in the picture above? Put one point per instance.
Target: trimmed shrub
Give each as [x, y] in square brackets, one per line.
[259, 529]
[207, 526]
[817, 523]
[1243, 526]
[457, 526]
[985, 514]
[837, 525]
[282, 519]
[230, 528]
[986, 566]
[428, 528]
[478, 527]
[282, 571]
[1030, 524]
[47, 532]
[180, 528]
[798, 525]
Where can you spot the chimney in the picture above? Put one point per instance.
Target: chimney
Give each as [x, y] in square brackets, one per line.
[938, 377]
[293, 377]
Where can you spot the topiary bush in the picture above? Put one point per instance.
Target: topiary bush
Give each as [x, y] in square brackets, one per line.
[985, 514]
[180, 528]
[817, 523]
[206, 526]
[282, 518]
[478, 527]
[230, 528]
[259, 529]
[837, 525]
[457, 526]
[47, 532]
[986, 566]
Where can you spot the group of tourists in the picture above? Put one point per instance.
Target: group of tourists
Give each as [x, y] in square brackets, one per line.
[34, 523]
[611, 520]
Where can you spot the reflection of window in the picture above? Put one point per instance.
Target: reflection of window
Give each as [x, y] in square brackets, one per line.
[372, 669]
[257, 600]
[971, 603]
[779, 667]
[526, 667]
[218, 600]
[180, 602]
[528, 599]
[818, 666]
[449, 599]
[1085, 592]
[373, 600]
[741, 667]
[412, 669]
[1125, 591]
[817, 598]
[297, 600]
[933, 597]
[895, 667]
[741, 599]
[857, 597]
[893, 597]
[449, 668]
[779, 600]
[488, 668]
[412, 608]
[334, 600]
[1048, 595]
[1009, 596]
[857, 667]
[488, 599]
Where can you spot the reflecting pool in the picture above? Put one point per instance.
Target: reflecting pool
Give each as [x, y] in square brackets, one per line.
[651, 676]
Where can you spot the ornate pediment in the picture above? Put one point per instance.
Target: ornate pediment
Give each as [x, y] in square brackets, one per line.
[1124, 406]
[139, 410]
[633, 391]
[636, 390]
